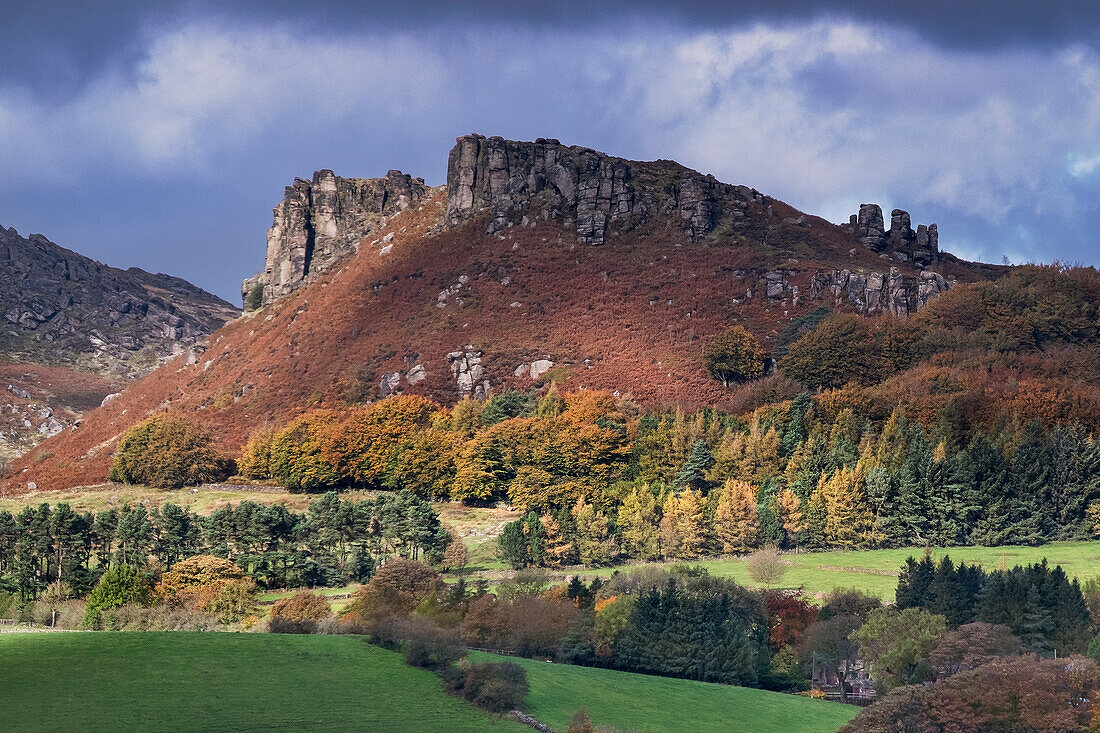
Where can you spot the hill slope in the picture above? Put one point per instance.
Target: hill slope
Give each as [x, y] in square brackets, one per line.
[608, 273]
[650, 704]
[180, 681]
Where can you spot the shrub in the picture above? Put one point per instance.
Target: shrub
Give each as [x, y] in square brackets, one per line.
[254, 300]
[766, 566]
[494, 686]
[187, 576]
[122, 585]
[298, 614]
[431, 647]
[398, 587]
[168, 451]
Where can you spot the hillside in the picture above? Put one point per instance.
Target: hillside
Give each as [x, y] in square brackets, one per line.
[651, 704]
[538, 262]
[74, 330]
[60, 307]
[201, 682]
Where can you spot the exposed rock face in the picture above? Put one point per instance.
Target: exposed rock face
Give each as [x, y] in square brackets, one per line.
[467, 372]
[59, 307]
[320, 222]
[876, 292]
[597, 194]
[921, 246]
[869, 227]
[535, 369]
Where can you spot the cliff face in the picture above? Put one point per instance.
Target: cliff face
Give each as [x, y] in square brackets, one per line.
[598, 195]
[320, 222]
[62, 308]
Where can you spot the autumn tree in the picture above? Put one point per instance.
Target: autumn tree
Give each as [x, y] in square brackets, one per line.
[168, 451]
[595, 545]
[735, 525]
[835, 353]
[299, 457]
[638, 524]
[683, 526]
[734, 355]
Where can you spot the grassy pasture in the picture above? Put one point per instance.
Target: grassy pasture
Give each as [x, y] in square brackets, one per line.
[181, 681]
[648, 704]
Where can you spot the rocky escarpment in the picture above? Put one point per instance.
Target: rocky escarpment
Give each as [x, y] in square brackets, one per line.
[596, 194]
[59, 307]
[921, 246]
[320, 222]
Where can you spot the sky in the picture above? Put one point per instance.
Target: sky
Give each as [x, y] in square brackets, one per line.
[160, 135]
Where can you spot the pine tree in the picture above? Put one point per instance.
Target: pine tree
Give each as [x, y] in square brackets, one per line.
[692, 475]
[794, 433]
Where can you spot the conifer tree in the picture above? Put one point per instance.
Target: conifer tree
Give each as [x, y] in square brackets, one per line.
[735, 518]
[638, 524]
[692, 475]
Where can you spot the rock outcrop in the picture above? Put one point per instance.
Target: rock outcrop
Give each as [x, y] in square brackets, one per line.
[59, 307]
[596, 194]
[921, 246]
[873, 293]
[468, 373]
[320, 222]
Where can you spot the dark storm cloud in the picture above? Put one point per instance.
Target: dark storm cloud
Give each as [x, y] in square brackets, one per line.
[160, 135]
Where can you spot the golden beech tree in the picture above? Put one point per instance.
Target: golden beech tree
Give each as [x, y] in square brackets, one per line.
[735, 517]
[363, 444]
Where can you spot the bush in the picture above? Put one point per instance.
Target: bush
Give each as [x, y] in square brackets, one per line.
[168, 451]
[298, 614]
[122, 585]
[430, 647]
[494, 686]
[195, 572]
[766, 566]
[396, 588]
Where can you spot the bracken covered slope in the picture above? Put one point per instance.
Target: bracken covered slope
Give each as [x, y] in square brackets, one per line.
[506, 289]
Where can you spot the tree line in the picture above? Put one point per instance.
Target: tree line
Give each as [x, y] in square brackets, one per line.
[334, 542]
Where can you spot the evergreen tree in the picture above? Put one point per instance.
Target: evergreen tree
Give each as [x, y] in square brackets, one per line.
[692, 475]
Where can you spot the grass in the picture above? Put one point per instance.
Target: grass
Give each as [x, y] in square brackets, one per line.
[648, 704]
[875, 571]
[180, 681]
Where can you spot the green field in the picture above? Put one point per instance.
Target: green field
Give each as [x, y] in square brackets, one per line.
[876, 571]
[648, 704]
[180, 681]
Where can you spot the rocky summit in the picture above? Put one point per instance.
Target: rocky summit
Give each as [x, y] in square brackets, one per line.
[536, 261]
[596, 194]
[59, 307]
[322, 221]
